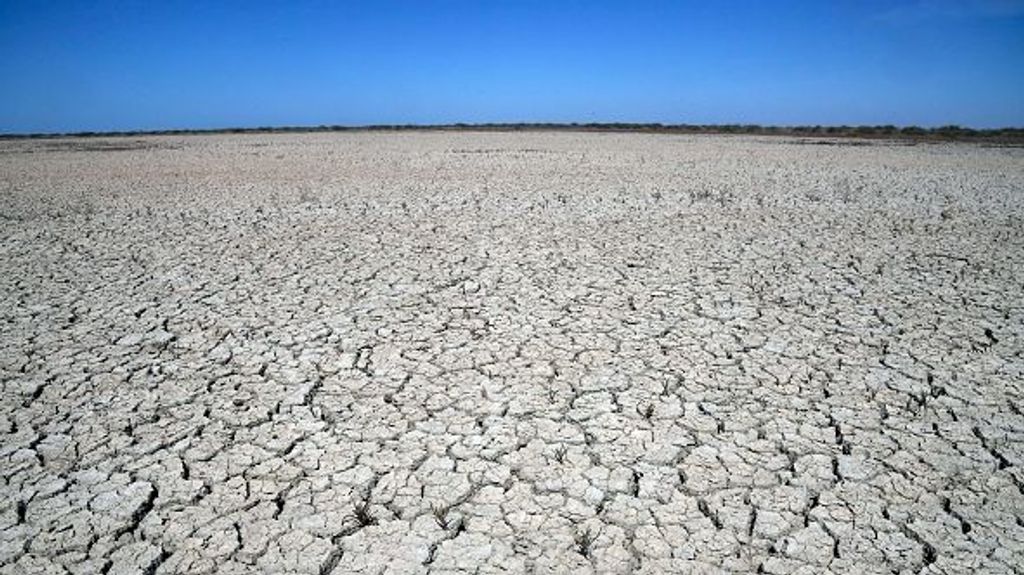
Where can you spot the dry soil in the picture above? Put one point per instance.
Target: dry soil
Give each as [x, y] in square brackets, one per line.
[487, 352]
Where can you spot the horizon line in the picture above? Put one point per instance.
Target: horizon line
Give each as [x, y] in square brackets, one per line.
[950, 131]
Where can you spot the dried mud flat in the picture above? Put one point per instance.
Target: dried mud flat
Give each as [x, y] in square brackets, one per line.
[480, 353]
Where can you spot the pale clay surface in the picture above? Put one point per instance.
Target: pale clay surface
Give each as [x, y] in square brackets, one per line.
[522, 353]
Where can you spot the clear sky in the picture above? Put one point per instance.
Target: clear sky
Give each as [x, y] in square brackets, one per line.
[104, 65]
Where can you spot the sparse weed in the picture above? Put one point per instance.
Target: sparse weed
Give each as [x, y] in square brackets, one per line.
[585, 539]
[361, 513]
[440, 513]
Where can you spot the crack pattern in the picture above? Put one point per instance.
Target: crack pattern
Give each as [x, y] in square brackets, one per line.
[359, 353]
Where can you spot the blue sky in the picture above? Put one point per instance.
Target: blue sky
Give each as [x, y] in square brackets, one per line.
[103, 65]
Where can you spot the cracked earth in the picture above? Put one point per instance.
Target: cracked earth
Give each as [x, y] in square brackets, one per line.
[485, 352]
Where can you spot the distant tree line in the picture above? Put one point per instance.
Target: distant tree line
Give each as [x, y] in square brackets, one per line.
[941, 133]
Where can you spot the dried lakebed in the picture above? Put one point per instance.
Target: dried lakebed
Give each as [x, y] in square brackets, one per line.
[486, 352]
